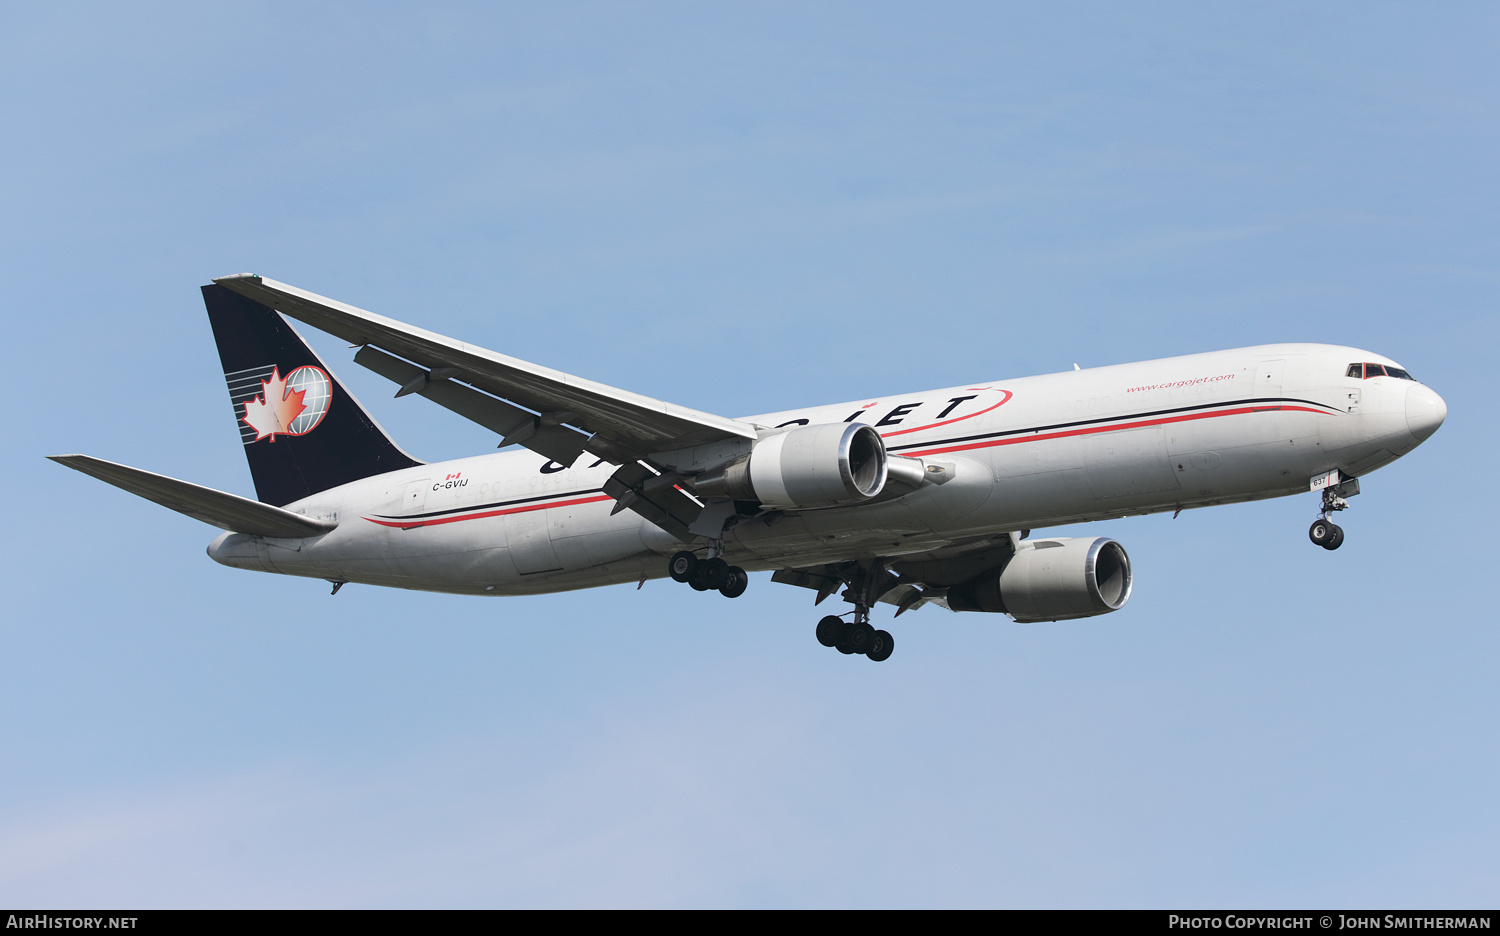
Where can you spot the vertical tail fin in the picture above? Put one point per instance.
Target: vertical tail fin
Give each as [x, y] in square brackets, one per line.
[303, 432]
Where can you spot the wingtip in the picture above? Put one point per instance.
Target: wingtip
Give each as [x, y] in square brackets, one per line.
[237, 276]
[76, 461]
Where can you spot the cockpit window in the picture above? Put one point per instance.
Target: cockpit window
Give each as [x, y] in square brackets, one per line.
[1367, 370]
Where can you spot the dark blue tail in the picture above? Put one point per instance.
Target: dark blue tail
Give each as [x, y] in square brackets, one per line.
[303, 432]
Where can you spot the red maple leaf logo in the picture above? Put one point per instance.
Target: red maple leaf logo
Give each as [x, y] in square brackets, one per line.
[273, 411]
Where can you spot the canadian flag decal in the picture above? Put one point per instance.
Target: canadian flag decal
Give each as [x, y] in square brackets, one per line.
[290, 405]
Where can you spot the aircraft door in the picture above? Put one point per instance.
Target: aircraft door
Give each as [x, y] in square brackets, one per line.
[1268, 378]
[530, 542]
[416, 497]
[1130, 462]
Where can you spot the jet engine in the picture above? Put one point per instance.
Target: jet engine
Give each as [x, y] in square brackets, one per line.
[1051, 580]
[810, 466]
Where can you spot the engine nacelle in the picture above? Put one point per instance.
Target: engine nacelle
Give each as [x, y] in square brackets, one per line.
[1052, 580]
[810, 466]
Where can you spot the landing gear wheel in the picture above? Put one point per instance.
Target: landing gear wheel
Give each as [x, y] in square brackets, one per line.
[1321, 532]
[857, 639]
[831, 631]
[699, 581]
[682, 566]
[881, 647]
[1336, 539]
[715, 573]
[737, 582]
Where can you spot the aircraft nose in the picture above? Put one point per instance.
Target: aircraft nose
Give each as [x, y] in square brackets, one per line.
[1425, 411]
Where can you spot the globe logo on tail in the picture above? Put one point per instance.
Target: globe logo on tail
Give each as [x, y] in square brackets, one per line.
[291, 405]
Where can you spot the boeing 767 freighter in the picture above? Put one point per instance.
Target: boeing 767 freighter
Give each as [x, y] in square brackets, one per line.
[920, 498]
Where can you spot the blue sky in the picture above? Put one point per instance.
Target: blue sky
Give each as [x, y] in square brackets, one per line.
[744, 210]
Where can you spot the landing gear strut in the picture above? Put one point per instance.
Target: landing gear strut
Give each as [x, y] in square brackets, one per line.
[711, 574]
[1324, 531]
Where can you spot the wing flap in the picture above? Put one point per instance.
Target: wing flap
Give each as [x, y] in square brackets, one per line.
[655, 497]
[559, 443]
[223, 510]
[821, 579]
[638, 423]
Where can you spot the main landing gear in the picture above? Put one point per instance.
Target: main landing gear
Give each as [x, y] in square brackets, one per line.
[1324, 532]
[854, 637]
[866, 585]
[711, 574]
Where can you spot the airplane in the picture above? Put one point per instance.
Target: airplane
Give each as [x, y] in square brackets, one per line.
[907, 500]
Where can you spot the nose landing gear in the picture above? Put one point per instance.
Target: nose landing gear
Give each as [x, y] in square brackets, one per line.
[1324, 532]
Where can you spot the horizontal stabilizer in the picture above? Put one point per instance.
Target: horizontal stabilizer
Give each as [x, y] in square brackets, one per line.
[226, 511]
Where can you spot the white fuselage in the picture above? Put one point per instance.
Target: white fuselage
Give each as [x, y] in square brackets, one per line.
[1018, 454]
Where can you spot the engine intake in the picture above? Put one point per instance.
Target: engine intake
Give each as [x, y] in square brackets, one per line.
[810, 466]
[1051, 580]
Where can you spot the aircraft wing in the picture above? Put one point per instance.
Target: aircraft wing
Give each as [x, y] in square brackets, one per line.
[621, 426]
[225, 511]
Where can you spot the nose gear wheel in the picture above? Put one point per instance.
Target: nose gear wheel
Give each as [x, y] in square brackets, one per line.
[1326, 533]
